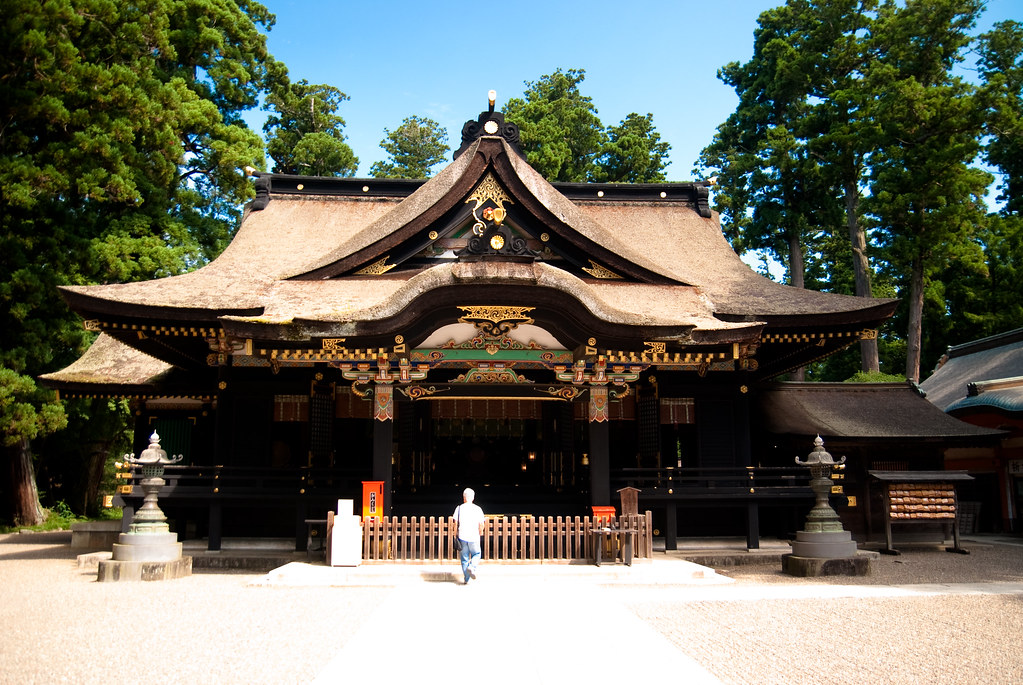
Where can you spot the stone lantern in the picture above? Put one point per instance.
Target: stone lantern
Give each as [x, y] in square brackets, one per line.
[823, 547]
[148, 551]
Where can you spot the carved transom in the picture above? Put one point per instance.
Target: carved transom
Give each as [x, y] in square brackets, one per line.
[495, 321]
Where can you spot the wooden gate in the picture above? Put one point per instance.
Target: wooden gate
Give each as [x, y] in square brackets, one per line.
[528, 539]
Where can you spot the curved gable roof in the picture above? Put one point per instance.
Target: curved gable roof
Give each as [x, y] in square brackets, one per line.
[447, 192]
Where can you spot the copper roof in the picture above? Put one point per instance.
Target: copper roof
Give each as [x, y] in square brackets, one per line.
[988, 359]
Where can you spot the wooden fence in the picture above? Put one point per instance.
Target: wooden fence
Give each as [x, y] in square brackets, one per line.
[528, 539]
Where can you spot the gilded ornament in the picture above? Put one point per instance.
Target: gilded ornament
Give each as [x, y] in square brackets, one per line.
[488, 189]
[565, 392]
[598, 271]
[376, 268]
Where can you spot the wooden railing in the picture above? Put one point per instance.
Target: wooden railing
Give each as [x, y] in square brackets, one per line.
[550, 539]
[716, 483]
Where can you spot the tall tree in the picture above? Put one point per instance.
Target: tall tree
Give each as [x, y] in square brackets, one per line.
[558, 126]
[986, 299]
[1001, 72]
[633, 153]
[305, 132]
[789, 160]
[414, 148]
[26, 412]
[121, 141]
[925, 196]
[773, 191]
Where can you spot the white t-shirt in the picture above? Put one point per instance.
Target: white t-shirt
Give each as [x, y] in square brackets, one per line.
[469, 517]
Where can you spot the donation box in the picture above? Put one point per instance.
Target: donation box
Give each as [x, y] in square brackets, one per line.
[372, 499]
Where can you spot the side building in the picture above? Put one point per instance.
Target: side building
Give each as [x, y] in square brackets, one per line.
[981, 383]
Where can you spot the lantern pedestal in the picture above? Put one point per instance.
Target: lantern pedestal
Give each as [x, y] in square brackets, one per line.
[148, 551]
[823, 547]
[858, 565]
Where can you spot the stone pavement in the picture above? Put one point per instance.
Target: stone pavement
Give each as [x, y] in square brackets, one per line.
[924, 617]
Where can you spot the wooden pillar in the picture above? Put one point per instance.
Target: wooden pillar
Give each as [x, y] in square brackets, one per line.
[216, 526]
[671, 527]
[223, 431]
[752, 526]
[600, 447]
[383, 440]
[301, 530]
[224, 427]
[600, 472]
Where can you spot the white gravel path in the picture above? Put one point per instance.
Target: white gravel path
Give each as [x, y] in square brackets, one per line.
[911, 621]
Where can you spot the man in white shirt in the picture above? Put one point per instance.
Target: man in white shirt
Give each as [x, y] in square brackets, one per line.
[470, 521]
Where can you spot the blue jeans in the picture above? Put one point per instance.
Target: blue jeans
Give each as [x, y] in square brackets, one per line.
[469, 556]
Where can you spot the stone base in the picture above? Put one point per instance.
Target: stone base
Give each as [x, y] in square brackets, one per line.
[147, 547]
[858, 565]
[111, 570]
[94, 536]
[831, 545]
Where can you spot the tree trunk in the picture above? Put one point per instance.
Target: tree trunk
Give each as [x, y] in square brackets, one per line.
[94, 477]
[796, 266]
[916, 310]
[23, 507]
[869, 359]
[796, 280]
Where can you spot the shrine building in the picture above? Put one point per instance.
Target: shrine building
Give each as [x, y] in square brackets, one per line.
[542, 343]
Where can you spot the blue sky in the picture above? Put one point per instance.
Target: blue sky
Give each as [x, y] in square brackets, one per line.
[438, 59]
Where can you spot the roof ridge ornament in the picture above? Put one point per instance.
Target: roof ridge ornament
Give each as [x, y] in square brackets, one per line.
[489, 123]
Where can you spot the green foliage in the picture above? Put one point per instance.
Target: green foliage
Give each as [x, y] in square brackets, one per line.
[304, 131]
[852, 127]
[564, 139]
[26, 411]
[120, 156]
[560, 132]
[121, 150]
[1001, 69]
[414, 148]
[925, 199]
[75, 461]
[57, 517]
[783, 159]
[875, 377]
[634, 153]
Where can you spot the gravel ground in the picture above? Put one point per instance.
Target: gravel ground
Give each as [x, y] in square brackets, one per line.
[943, 639]
[60, 626]
[987, 562]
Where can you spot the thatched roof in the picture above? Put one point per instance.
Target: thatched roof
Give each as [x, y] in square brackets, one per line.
[298, 234]
[110, 364]
[859, 410]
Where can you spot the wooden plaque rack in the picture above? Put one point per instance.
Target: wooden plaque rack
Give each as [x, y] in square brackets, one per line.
[920, 497]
